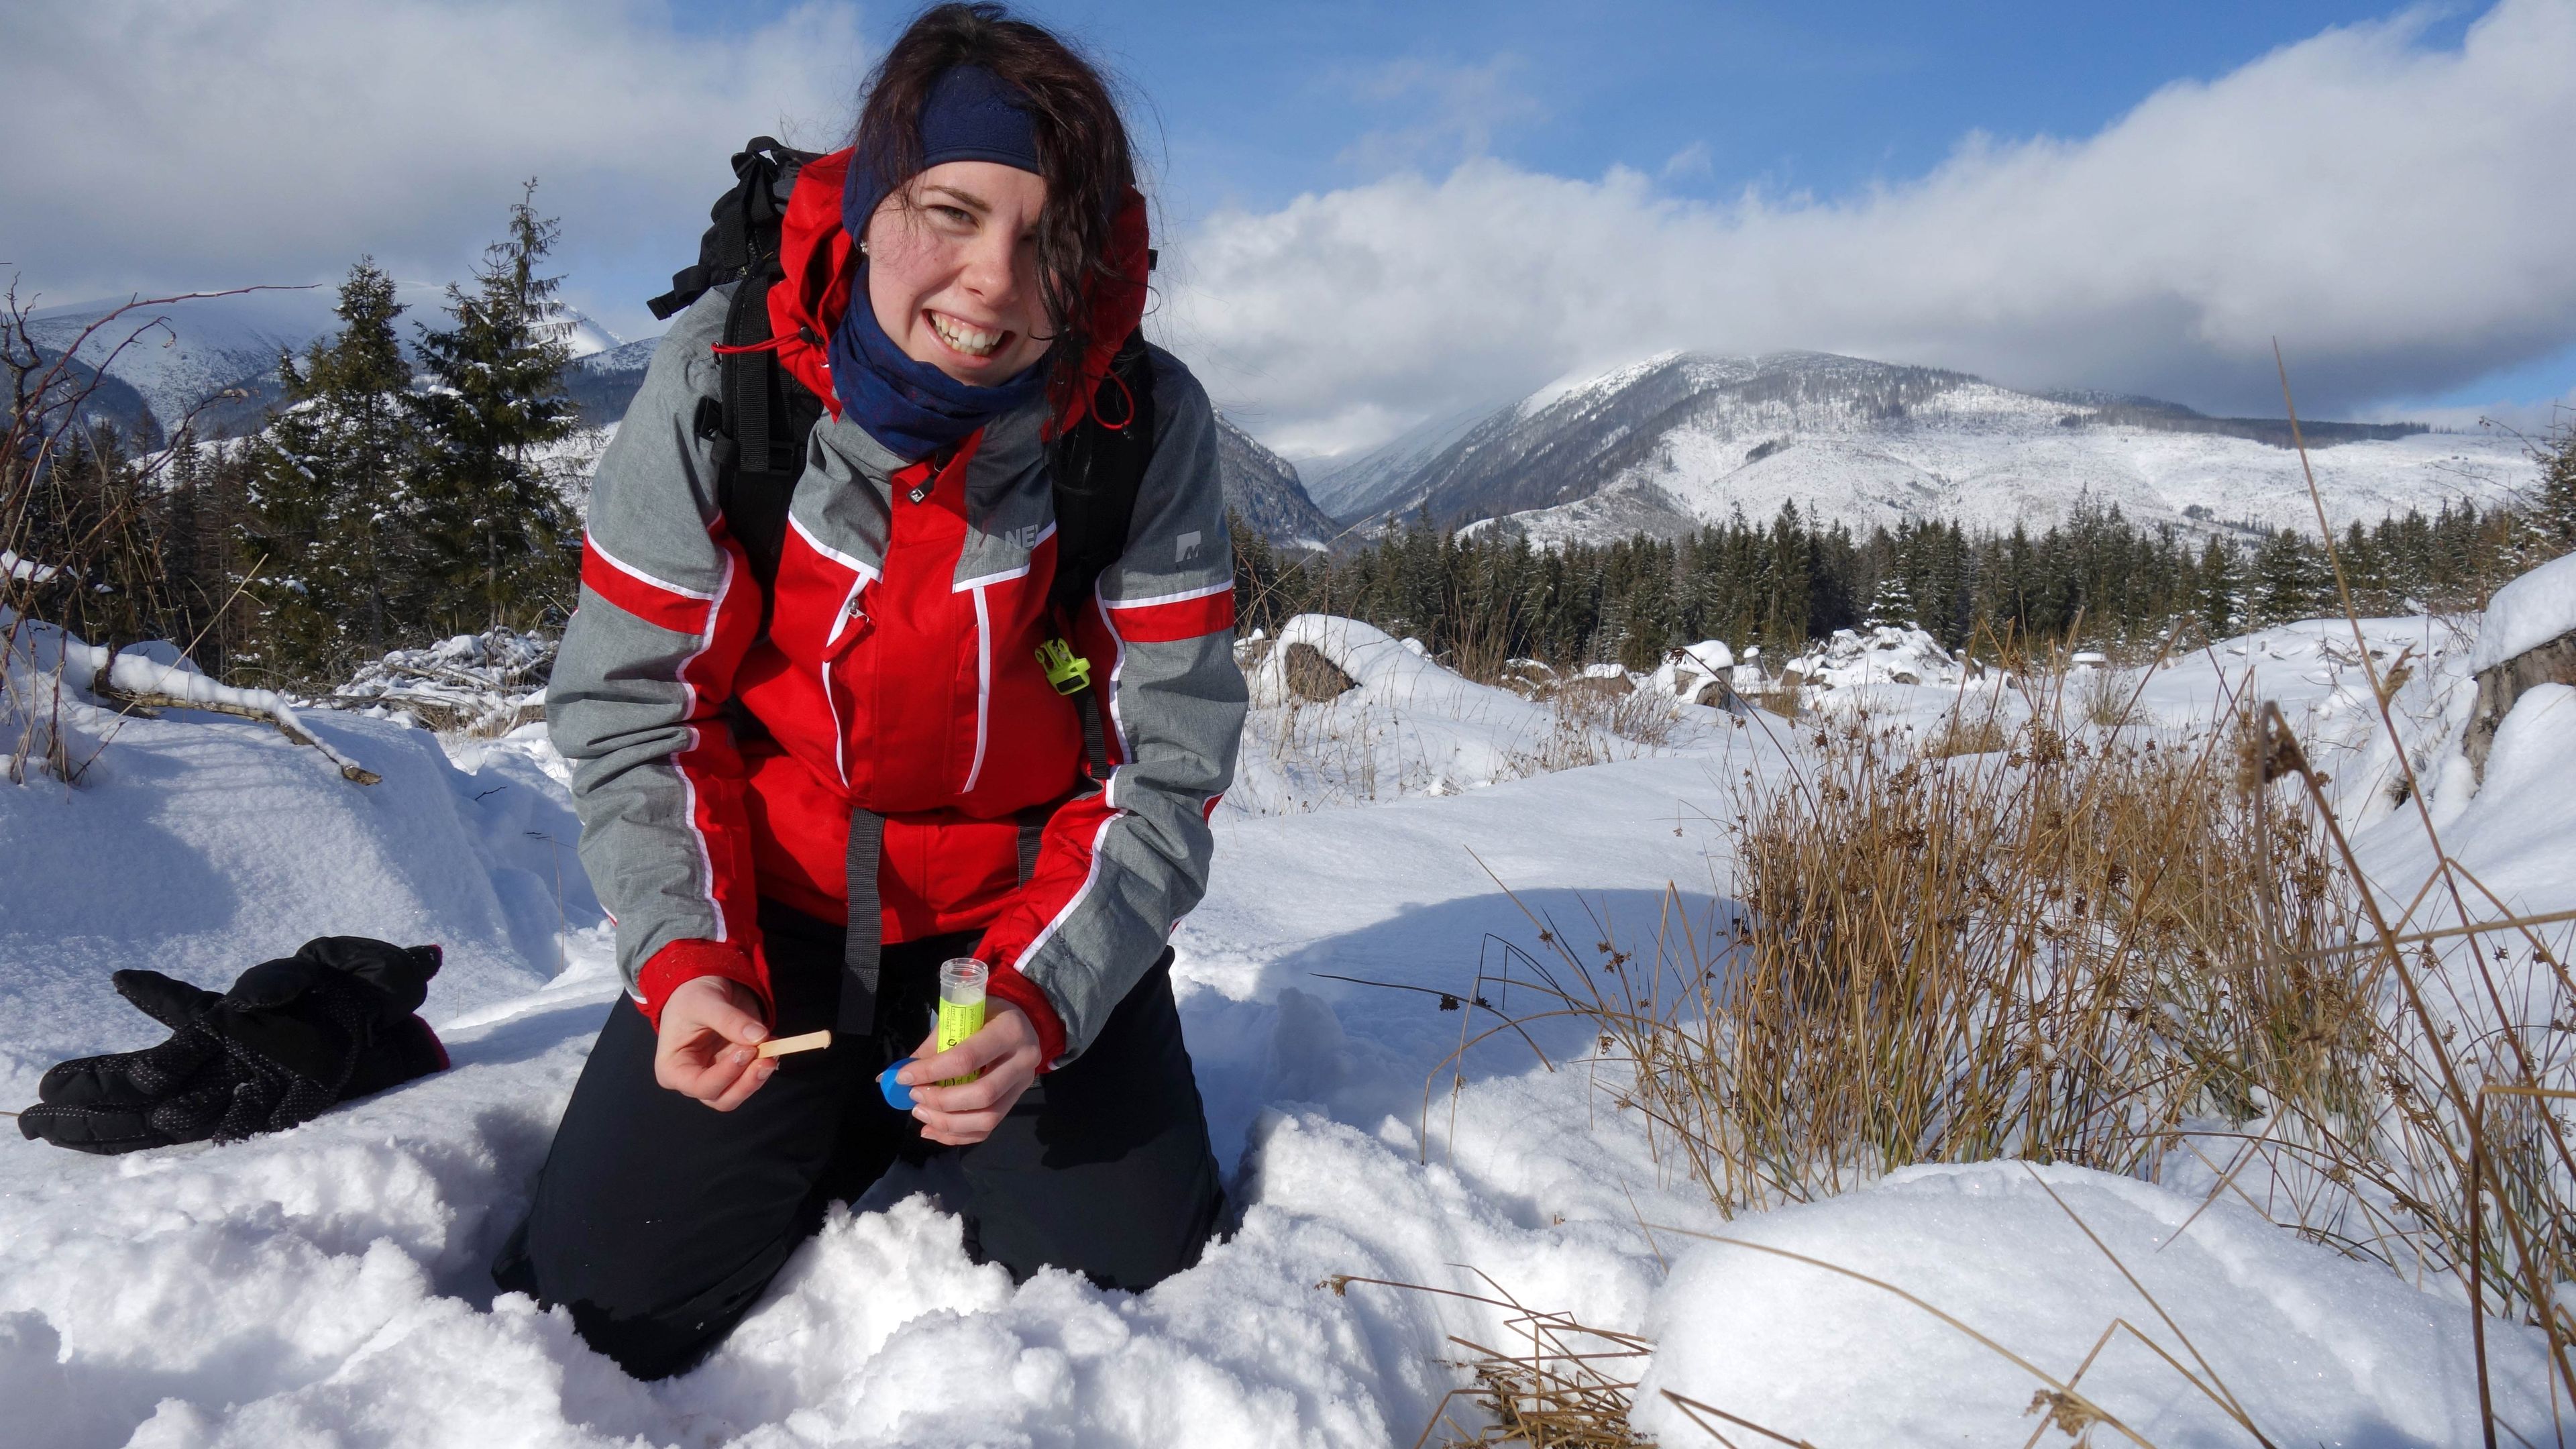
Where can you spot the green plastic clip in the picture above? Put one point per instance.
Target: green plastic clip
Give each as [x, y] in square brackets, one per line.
[1069, 672]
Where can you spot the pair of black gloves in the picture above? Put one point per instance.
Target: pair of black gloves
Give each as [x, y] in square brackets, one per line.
[332, 1022]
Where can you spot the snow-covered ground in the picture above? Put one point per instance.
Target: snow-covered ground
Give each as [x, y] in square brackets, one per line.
[327, 1286]
[1409, 726]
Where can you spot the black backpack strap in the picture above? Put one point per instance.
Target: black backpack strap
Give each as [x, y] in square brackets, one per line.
[764, 174]
[759, 422]
[1097, 468]
[863, 939]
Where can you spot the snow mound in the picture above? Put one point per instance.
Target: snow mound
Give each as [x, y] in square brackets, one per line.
[1688, 670]
[1878, 655]
[1408, 725]
[2319, 1348]
[2527, 613]
[199, 844]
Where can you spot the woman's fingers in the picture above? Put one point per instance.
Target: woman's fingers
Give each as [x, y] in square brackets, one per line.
[744, 1085]
[1005, 1057]
[1004, 1033]
[707, 1044]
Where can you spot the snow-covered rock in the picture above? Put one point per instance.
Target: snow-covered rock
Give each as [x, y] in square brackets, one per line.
[2527, 613]
[1689, 670]
[1408, 725]
[1880, 655]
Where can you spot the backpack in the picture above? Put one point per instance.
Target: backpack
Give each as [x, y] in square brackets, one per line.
[759, 424]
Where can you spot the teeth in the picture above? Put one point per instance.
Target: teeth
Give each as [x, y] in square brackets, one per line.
[973, 341]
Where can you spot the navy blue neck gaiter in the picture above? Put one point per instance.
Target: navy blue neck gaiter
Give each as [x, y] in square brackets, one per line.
[911, 407]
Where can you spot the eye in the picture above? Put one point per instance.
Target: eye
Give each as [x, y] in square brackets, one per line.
[954, 215]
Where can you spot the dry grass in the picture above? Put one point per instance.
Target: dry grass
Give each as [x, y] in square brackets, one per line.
[2068, 952]
[2111, 951]
[1561, 1385]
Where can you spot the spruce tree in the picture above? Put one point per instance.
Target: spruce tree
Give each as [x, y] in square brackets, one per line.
[2550, 517]
[500, 539]
[1892, 607]
[2283, 581]
[2218, 587]
[328, 523]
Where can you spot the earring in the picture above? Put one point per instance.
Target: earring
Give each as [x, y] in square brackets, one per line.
[863, 249]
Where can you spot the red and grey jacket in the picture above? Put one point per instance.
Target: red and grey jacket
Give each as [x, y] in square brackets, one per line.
[899, 674]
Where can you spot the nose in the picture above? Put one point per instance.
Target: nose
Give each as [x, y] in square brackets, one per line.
[988, 272]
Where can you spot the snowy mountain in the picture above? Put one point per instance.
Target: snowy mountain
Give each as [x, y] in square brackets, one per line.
[184, 353]
[1264, 488]
[602, 383]
[1348, 488]
[1682, 439]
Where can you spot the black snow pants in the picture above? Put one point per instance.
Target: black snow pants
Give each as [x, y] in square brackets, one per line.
[659, 1221]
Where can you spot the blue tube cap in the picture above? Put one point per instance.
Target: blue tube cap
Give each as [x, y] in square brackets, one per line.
[897, 1095]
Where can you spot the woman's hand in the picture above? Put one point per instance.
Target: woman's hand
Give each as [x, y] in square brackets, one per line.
[1005, 1051]
[710, 1027]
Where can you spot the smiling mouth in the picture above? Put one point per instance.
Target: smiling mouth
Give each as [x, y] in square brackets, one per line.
[973, 341]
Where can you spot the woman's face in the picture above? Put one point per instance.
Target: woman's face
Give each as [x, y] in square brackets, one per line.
[953, 270]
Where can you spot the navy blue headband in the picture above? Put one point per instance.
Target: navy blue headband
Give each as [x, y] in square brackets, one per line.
[970, 114]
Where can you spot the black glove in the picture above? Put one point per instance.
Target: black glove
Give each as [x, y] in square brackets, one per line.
[332, 1022]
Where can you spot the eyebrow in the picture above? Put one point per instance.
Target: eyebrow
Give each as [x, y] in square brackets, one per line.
[973, 202]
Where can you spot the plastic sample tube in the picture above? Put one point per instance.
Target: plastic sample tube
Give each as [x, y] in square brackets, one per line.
[961, 1006]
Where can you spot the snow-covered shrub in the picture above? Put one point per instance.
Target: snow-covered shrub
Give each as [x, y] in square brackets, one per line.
[479, 685]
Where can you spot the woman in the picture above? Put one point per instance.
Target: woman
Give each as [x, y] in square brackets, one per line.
[956, 285]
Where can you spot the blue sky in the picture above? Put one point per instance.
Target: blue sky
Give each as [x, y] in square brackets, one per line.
[1259, 102]
[1375, 213]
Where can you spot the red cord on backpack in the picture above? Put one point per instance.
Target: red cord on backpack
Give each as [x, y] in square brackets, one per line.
[1121, 425]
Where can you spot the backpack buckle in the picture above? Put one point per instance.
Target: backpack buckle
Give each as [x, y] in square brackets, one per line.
[1069, 672]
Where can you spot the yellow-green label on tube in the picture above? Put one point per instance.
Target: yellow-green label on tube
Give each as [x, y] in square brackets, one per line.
[961, 1006]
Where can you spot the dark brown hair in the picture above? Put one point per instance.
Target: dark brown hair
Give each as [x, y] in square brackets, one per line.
[1082, 144]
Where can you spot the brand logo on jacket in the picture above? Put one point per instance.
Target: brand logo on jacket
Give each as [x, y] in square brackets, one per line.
[1186, 547]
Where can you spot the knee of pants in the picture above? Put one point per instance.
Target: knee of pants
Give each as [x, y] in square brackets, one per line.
[650, 1203]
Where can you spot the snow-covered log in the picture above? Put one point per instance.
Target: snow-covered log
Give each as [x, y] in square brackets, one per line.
[135, 681]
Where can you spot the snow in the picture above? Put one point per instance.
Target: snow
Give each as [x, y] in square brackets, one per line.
[1691, 668]
[1987, 457]
[472, 684]
[2318, 1348]
[25, 569]
[2527, 613]
[1882, 655]
[328, 1285]
[1412, 726]
[198, 844]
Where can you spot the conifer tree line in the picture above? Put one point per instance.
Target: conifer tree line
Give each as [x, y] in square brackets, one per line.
[2098, 579]
[388, 503]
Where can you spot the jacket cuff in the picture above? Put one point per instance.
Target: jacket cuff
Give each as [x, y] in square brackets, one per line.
[1007, 983]
[681, 962]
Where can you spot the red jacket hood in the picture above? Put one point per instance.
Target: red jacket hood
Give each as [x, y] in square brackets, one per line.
[814, 251]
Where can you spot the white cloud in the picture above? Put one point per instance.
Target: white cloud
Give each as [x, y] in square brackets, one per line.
[219, 142]
[2396, 214]
[1461, 107]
